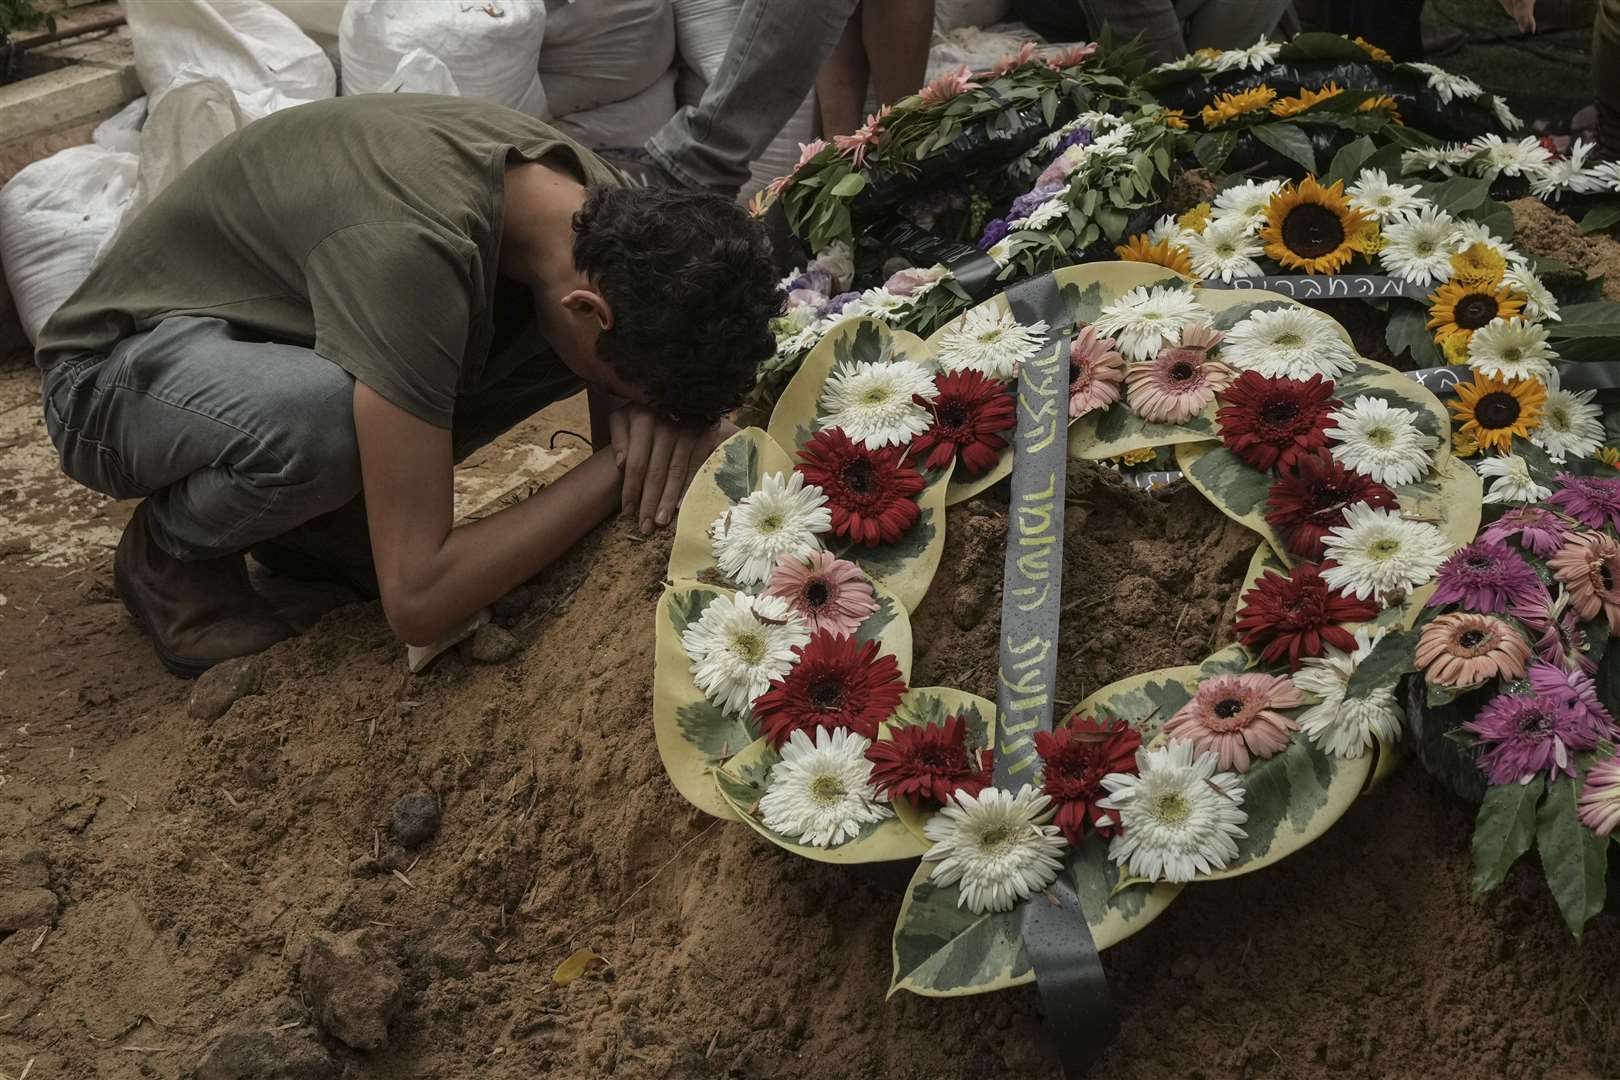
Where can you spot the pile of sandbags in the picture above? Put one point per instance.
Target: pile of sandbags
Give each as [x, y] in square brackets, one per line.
[609, 69]
[489, 51]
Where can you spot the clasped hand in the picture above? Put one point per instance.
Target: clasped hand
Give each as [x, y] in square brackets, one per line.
[658, 459]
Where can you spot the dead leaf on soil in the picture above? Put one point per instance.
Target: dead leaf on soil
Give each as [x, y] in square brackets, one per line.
[577, 964]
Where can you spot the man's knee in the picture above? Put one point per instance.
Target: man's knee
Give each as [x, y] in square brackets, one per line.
[325, 452]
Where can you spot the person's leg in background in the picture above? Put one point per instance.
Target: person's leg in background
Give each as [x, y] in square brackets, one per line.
[771, 63]
[230, 442]
[1230, 24]
[896, 34]
[1606, 75]
[841, 83]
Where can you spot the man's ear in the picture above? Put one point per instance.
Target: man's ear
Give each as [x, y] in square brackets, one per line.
[591, 305]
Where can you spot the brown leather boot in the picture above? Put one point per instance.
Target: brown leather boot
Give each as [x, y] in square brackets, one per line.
[196, 613]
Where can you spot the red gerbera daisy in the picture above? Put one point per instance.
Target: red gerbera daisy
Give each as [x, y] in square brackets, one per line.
[837, 682]
[1076, 758]
[1271, 422]
[1293, 616]
[970, 412]
[1311, 496]
[871, 493]
[928, 762]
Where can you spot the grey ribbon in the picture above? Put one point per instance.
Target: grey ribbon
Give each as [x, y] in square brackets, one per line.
[1079, 1010]
[1326, 286]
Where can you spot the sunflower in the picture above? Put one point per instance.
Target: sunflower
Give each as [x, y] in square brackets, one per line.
[1196, 218]
[1492, 411]
[1164, 253]
[1293, 106]
[1457, 309]
[1385, 104]
[1228, 107]
[1312, 228]
[1373, 51]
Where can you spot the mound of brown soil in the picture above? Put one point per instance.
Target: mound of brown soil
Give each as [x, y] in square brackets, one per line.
[194, 862]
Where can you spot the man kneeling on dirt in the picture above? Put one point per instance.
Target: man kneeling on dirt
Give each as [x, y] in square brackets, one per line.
[350, 296]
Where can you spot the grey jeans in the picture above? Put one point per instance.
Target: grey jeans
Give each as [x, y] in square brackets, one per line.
[234, 441]
[771, 62]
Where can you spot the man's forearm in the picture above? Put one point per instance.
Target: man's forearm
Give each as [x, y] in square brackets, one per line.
[482, 561]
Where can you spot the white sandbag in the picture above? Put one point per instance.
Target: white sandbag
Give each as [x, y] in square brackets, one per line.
[624, 123]
[602, 51]
[491, 50]
[702, 32]
[783, 153]
[122, 130]
[56, 216]
[196, 111]
[420, 72]
[252, 47]
[954, 14]
[317, 18]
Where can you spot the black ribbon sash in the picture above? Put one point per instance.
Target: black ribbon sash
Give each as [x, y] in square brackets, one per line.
[1079, 1010]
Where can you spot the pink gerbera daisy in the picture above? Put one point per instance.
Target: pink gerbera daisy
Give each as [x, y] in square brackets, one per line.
[827, 592]
[1599, 804]
[1181, 381]
[1095, 372]
[949, 85]
[1235, 716]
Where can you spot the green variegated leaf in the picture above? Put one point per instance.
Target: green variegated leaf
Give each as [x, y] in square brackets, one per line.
[724, 480]
[1237, 490]
[942, 950]
[1145, 701]
[693, 736]
[743, 781]
[931, 705]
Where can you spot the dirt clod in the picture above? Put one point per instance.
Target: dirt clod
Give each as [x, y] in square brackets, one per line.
[223, 685]
[267, 1053]
[455, 954]
[416, 819]
[492, 645]
[24, 909]
[354, 989]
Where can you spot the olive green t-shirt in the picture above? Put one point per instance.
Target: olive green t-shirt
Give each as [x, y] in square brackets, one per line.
[366, 228]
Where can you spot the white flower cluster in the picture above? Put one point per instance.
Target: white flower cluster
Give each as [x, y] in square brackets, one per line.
[818, 299]
[1491, 156]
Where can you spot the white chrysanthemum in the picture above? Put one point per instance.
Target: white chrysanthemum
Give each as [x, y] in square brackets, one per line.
[1418, 247]
[1511, 349]
[1147, 318]
[879, 303]
[821, 792]
[1178, 817]
[1441, 159]
[1167, 228]
[1381, 442]
[1190, 62]
[1375, 194]
[1508, 157]
[873, 402]
[780, 517]
[1447, 86]
[1571, 425]
[1226, 249]
[1112, 144]
[1470, 233]
[1246, 202]
[1381, 554]
[1288, 342]
[1253, 58]
[1605, 176]
[1565, 173]
[1504, 115]
[991, 342]
[1511, 480]
[997, 845]
[1043, 215]
[1346, 727]
[1539, 302]
[738, 645]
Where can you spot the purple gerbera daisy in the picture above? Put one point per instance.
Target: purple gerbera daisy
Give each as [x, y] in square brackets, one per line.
[994, 230]
[1486, 576]
[1524, 735]
[1591, 500]
[1537, 529]
[1578, 693]
[1563, 640]
[1025, 204]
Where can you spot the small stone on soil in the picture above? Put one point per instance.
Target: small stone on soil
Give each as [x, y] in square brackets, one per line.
[354, 990]
[416, 819]
[491, 645]
[223, 685]
[456, 954]
[26, 908]
[268, 1054]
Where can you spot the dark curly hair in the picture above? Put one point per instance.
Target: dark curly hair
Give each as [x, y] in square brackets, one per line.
[690, 280]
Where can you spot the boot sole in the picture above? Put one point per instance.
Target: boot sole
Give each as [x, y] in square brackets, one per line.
[184, 667]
